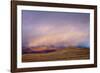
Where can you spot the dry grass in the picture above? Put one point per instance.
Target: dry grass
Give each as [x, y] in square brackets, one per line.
[62, 54]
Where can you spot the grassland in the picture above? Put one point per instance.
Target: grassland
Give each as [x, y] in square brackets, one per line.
[61, 54]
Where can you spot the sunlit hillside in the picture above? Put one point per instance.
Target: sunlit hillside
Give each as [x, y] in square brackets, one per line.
[59, 54]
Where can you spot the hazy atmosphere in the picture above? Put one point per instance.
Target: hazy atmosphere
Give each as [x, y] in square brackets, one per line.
[55, 28]
[50, 36]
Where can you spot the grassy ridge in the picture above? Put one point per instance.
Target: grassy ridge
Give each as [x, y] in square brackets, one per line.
[62, 54]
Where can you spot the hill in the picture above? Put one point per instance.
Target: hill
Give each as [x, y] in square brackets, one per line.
[61, 54]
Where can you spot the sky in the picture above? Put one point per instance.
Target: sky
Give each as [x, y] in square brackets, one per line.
[55, 28]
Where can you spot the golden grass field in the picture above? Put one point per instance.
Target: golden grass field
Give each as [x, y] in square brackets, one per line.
[61, 54]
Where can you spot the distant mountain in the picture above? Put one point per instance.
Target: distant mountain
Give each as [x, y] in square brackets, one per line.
[37, 50]
[46, 49]
[26, 50]
[49, 46]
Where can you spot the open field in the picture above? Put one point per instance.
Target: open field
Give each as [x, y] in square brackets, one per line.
[61, 54]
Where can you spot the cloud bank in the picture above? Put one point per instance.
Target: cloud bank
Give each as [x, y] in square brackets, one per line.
[55, 28]
[68, 37]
